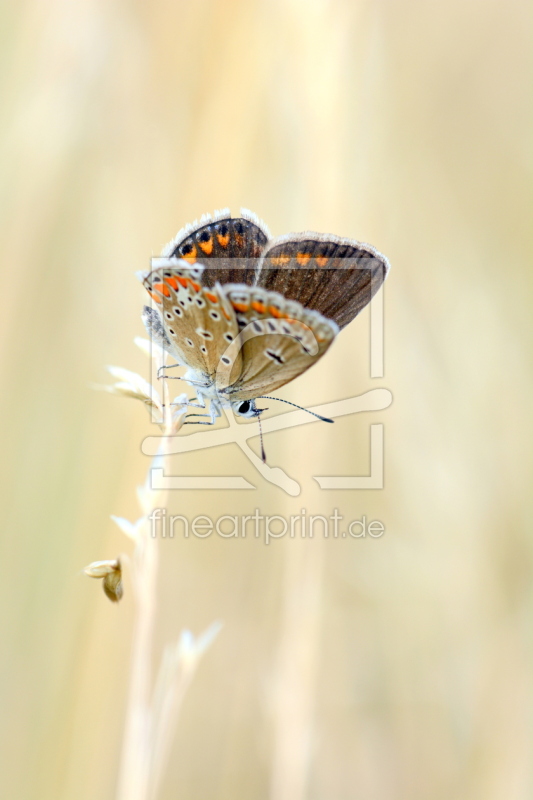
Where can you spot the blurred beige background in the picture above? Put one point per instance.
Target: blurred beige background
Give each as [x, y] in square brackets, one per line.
[387, 669]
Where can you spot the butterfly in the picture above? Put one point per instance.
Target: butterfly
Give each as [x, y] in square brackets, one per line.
[246, 313]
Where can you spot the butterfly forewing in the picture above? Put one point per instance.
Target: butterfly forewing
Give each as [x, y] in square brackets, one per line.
[229, 247]
[198, 321]
[337, 277]
[155, 328]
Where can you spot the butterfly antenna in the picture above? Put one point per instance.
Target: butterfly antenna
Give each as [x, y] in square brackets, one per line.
[263, 454]
[323, 419]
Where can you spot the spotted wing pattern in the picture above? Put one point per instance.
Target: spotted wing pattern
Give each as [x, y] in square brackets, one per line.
[279, 339]
[337, 277]
[261, 311]
[229, 247]
[296, 265]
[195, 323]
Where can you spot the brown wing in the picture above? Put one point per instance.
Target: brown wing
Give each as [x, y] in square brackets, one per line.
[336, 277]
[228, 247]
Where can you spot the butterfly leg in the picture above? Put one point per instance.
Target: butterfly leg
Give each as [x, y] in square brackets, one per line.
[199, 404]
[214, 412]
[212, 416]
[160, 373]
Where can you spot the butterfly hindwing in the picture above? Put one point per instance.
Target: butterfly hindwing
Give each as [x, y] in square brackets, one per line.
[279, 340]
[336, 277]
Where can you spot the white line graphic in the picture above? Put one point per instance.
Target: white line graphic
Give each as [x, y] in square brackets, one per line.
[240, 433]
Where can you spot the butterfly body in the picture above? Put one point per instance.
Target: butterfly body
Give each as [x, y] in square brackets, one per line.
[247, 314]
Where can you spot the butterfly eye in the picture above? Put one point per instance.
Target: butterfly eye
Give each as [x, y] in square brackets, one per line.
[246, 408]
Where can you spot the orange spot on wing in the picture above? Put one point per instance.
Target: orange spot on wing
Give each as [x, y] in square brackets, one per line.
[240, 306]
[275, 312]
[161, 287]
[183, 281]
[280, 261]
[155, 296]
[225, 313]
[322, 260]
[172, 282]
[211, 297]
[303, 258]
[207, 247]
[239, 239]
[195, 286]
[258, 306]
[223, 240]
[190, 257]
